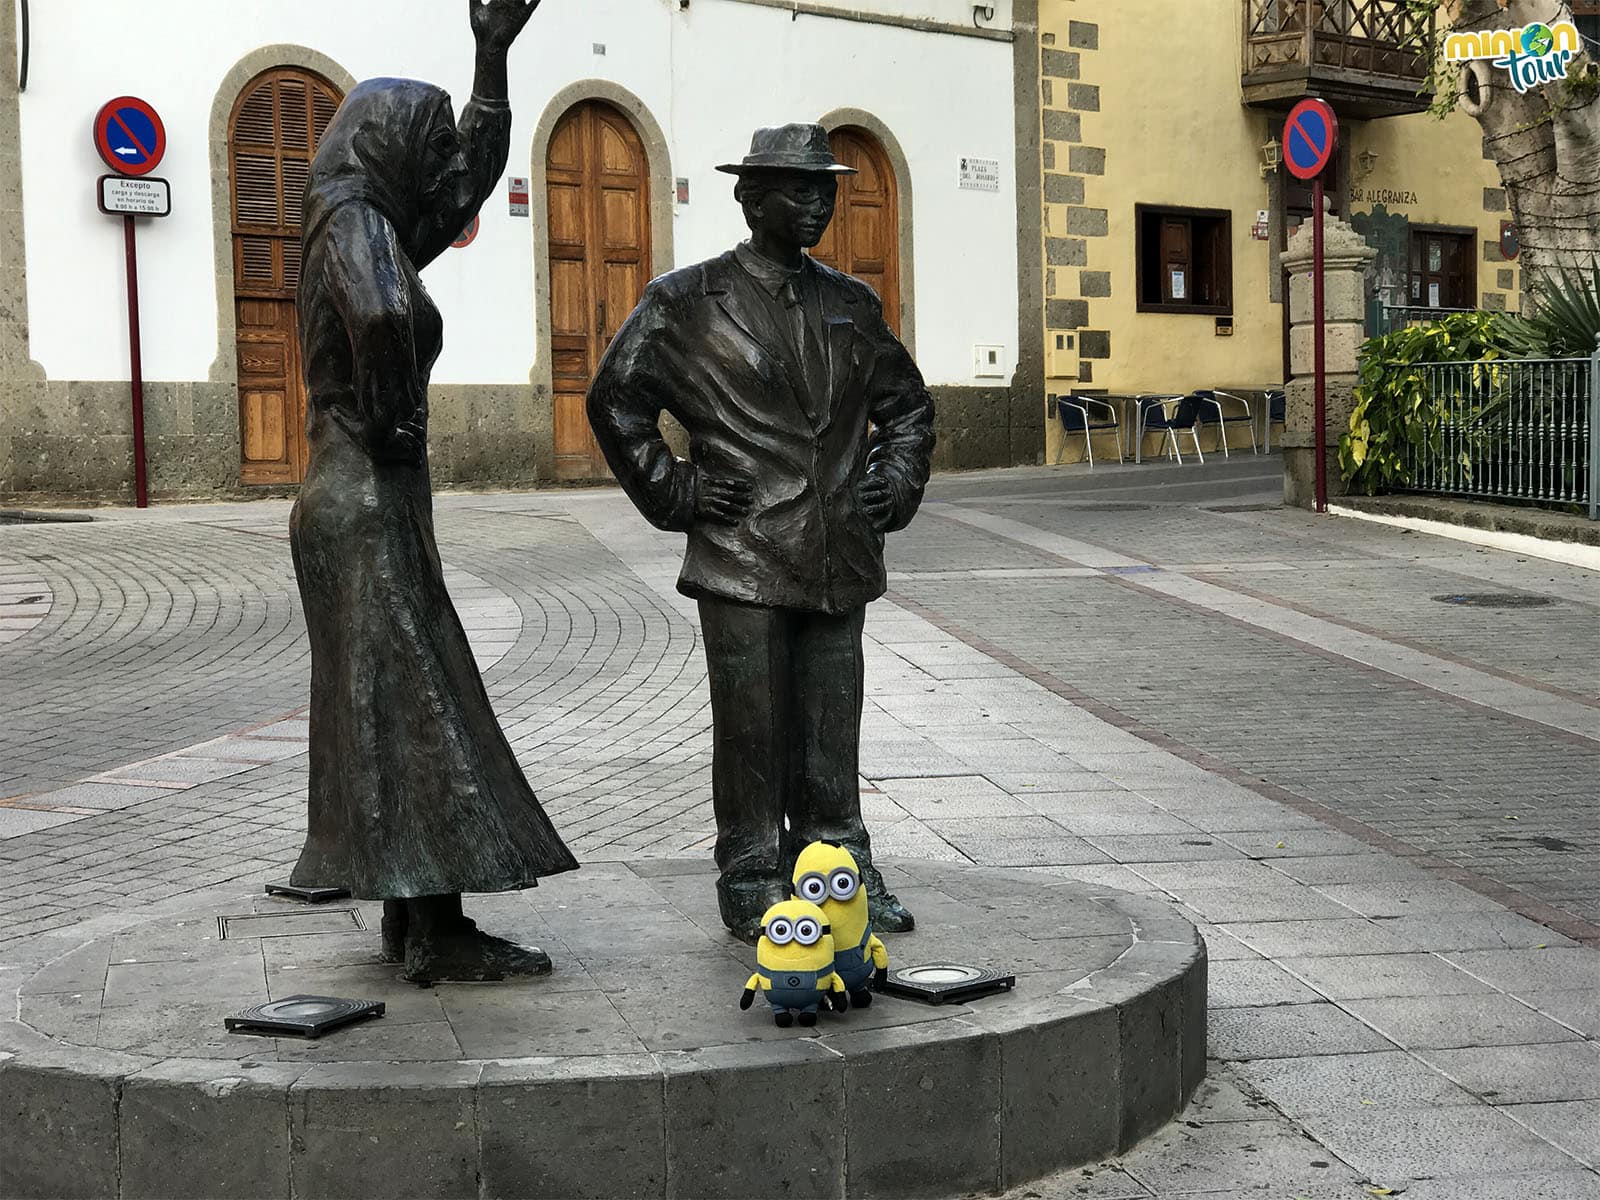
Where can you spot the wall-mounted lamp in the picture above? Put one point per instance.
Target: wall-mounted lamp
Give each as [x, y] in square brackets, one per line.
[986, 11]
[1271, 156]
[1366, 161]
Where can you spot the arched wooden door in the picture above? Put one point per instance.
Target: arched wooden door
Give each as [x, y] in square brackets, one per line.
[598, 183]
[864, 239]
[273, 134]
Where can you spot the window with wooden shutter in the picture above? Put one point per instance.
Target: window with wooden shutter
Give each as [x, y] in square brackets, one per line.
[277, 123]
[1184, 259]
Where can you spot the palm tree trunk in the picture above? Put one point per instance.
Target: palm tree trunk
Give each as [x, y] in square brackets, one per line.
[1545, 142]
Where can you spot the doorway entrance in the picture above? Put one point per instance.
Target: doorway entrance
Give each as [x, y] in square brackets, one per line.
[273, 133]
[598, 185]
[864, 238]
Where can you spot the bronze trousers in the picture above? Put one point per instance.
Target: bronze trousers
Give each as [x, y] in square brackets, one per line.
[786, 691]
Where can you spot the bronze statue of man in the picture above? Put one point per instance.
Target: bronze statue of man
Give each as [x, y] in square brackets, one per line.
[810, 431]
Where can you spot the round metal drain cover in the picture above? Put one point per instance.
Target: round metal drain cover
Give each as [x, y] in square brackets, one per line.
[1494, 600]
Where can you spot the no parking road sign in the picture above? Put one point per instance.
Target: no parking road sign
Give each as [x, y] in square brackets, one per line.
[1310, 138]
[130, 137]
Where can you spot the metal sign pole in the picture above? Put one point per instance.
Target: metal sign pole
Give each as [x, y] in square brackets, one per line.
[1319, 348]
[136, 365]
[1310, 140]
[132, 141]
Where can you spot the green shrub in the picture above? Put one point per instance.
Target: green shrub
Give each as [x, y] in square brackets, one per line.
[1566, 313]
[1393, 412]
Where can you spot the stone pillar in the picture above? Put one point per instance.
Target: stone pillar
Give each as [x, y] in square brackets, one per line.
[1345, 259]
[21, 379]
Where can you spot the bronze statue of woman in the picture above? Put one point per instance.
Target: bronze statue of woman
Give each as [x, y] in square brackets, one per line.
[415, 794]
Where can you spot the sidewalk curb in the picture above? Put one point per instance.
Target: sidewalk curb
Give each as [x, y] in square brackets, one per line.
[1556, 547]
[1471, 514]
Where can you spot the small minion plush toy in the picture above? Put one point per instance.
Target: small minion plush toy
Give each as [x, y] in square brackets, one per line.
[794, 964]
[826, 875]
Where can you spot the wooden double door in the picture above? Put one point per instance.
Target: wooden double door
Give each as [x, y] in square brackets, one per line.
[597, 180]
[276, 125]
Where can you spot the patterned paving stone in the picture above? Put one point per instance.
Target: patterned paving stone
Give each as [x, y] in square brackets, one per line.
[1357, 833]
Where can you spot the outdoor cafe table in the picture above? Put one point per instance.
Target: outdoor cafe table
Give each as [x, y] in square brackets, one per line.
[1131, 413]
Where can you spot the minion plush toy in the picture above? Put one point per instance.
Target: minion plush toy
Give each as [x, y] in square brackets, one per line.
[826, 875]
[794, 964]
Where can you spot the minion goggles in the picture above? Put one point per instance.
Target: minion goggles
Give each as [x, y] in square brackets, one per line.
[840, 884]
[780, 931]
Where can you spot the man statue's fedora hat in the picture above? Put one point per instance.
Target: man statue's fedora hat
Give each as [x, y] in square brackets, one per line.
[789, 148]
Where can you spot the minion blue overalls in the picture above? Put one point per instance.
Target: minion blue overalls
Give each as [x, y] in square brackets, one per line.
[854, 965]
[797, 991]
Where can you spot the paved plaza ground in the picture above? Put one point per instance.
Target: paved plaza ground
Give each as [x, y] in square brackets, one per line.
[1379, 800]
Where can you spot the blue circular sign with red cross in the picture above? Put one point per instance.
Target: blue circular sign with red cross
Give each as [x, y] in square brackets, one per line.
[1310, 138]
[130, 136]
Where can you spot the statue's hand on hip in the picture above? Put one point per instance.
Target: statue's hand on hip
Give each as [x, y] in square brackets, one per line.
[721, 500]
[496, 23]
[877, 500]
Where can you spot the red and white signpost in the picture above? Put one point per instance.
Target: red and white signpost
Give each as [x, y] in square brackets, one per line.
[1310, 140]
[132, 140]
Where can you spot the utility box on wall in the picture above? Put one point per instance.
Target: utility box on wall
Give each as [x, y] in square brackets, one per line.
[1061, 355]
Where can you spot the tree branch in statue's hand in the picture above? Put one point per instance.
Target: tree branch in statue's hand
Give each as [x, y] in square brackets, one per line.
[720, 500]
[496, 23]
[877, 500]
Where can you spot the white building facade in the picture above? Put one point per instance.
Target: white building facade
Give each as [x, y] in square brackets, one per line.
[622, 110]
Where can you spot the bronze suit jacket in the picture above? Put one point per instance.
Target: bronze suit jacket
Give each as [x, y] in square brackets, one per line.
[703, 345]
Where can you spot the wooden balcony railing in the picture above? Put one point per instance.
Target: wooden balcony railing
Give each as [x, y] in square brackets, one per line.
[1367, 57]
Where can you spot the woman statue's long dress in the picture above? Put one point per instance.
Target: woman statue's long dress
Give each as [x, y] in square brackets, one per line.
[415, 794]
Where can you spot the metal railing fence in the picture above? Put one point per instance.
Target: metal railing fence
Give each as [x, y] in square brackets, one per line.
[1397, 316]
[1515, 429]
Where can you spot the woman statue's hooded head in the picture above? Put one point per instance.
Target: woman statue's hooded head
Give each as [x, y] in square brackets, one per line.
[393, 145]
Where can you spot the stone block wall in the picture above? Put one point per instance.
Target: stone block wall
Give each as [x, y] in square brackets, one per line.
[1074, 230]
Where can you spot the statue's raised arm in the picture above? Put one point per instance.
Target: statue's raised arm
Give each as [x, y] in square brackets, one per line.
[467, 159]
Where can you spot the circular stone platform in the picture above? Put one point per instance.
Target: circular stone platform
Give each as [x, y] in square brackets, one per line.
[629, 1072]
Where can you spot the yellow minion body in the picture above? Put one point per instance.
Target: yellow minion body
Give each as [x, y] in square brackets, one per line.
[826, 874]
[794, 963]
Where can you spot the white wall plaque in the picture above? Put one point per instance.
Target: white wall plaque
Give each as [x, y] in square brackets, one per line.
[978, 174]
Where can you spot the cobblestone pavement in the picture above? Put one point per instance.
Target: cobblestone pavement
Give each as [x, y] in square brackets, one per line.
[1381, 808]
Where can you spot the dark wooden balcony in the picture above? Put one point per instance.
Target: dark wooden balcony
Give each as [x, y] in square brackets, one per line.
[1367, 58]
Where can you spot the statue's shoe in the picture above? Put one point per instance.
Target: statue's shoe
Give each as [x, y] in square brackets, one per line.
[395, 921]
[884, 910]
[744, 899]
[469, 956]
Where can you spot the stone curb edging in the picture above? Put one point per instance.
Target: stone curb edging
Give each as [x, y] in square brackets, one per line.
[1496, 518]
[979, 1102]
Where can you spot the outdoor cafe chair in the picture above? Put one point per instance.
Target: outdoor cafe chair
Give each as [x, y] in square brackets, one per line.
[1169, 414]
[1277, 410]
[1209, 408]
[1074, 414]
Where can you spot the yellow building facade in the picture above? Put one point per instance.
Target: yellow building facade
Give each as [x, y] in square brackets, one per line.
[1165, 212]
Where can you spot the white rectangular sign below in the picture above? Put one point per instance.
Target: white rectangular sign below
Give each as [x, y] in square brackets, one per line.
[517, 192]
[123, 197]
[979, 175]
